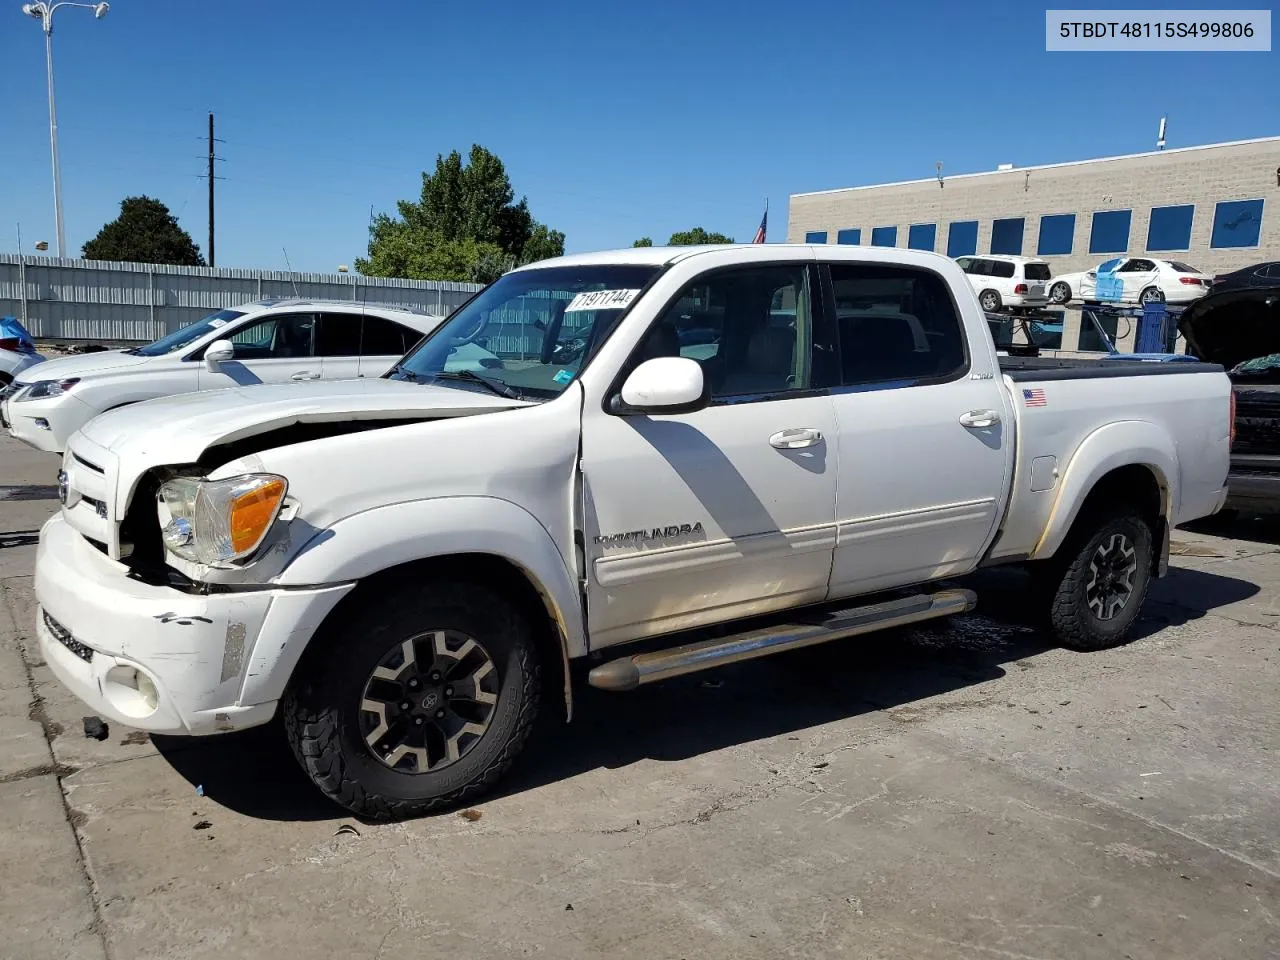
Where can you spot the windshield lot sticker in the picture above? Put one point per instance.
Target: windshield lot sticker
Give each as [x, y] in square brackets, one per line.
[601, 300]
[564, 376]
[219, 322]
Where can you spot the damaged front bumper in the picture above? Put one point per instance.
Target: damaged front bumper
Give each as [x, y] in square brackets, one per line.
[160, 659]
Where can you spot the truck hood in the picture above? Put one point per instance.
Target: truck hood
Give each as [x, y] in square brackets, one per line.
[62, 368]
[177, 429]
[1229, 327]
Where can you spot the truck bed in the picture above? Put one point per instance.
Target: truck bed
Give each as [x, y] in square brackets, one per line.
[1021, 369]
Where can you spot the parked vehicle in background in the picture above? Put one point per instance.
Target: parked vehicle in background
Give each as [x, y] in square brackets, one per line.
[267, 341]
[1239, 328]
[1133, 280]
[17, 351]
[404, 568]
[1257, 275]
[1007, 282]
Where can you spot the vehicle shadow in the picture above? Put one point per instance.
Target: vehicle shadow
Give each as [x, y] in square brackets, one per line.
[254, 773]
[1251, 528]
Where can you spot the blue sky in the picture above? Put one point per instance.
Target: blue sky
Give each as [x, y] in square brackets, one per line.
[617, 121]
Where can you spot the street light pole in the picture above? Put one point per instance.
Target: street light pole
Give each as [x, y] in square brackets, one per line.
[43, 11]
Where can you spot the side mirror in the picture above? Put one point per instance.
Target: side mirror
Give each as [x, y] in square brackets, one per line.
[663, 385]
[220, 351]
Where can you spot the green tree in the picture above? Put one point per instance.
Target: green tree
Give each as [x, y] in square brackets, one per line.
[689, 238]
[643, 242]
[465, 226]
[145, 232]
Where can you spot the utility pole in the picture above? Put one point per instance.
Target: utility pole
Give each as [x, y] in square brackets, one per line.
[212, 260]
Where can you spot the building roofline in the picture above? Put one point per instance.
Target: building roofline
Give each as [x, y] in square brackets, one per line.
[1041, 166]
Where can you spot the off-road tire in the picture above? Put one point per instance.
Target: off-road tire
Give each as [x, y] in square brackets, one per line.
[321, 708]
[1073, 622]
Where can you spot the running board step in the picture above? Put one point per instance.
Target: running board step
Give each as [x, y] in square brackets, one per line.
[630, 672]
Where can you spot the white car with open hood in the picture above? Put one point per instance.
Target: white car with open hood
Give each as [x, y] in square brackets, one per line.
[652, 444]
[267, 341]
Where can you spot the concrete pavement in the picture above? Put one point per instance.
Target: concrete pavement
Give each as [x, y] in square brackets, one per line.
[954, 791]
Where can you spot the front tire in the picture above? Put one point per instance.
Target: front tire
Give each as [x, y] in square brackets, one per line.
[1104, 581]
[416, 701]
[1060, 293]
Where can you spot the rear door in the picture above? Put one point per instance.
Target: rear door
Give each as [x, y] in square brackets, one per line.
[1137, 274]
[277, 348]
[382, 343]
[338, 344]
[1037, 275]
[924, 449]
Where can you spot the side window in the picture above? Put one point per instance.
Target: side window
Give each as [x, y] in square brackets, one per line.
[382, 337]
[980, 268]
[896, 323]
[1001, 268]
[749, 329]
[339, 335]
[273, 338]
[965, 263]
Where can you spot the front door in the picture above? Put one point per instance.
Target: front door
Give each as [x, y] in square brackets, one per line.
[924, 437]
[275, 349]
[729, 511]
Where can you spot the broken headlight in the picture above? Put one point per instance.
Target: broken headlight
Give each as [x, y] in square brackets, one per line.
[214, 522]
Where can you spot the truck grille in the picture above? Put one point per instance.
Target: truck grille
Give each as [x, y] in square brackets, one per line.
[64, 637]
[90, 481]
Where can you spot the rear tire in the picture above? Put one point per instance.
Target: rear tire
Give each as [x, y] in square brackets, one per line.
[990, 301]
[424, 745]
[1151, 295]
[1105, 576]
[1060, 293]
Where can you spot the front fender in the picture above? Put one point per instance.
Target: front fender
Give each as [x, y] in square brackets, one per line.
[376, 540]
[1122, 444]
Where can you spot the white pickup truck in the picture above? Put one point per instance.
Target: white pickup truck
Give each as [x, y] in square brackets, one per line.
[725, 451]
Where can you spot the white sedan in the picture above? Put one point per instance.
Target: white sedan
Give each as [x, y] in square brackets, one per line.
[1133, 280]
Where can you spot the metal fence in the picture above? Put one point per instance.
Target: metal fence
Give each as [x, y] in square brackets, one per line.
[62, 299]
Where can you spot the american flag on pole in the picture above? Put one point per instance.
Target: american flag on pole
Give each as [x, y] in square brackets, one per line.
[764, 225]
[1034, 397]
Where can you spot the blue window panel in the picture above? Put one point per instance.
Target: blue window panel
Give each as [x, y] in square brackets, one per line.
[816, 236]
[1170, 227]
[922, 236]
[1057, 232]
[884, 236]
[853, 236]
[1237, 223]
[1110, 231]
[1006, 236]
[962, 238]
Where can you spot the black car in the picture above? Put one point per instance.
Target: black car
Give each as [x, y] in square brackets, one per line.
[1240, 329]
[1258, 275]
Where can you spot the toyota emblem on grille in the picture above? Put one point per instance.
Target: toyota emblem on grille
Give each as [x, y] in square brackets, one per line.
[62, 487]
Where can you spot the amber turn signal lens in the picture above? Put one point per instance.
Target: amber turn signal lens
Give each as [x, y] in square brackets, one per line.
[252, 513]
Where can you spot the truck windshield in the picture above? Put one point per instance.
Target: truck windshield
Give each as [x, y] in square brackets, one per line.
[186, 335]
[532, 331]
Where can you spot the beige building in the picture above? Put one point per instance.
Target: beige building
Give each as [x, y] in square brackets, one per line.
[1216, 207]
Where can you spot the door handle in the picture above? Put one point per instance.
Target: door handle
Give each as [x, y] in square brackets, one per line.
[980, 418]
[305, 375]
[795, 438]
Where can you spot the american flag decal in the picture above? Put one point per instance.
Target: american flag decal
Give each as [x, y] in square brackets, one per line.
[1034, 397]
